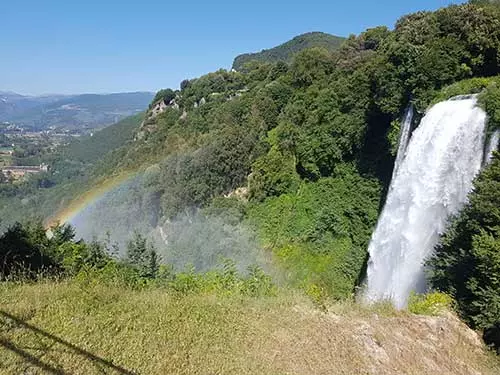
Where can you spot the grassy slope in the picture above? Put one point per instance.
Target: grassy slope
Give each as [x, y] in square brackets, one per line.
[74, 328]
[285, 51]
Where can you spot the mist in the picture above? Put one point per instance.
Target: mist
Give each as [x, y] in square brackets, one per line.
[192, 238]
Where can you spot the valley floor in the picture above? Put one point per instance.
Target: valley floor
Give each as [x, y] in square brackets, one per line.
[77, 328]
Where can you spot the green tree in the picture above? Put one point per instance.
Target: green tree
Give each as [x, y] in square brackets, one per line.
[153, 264]
[137, 249]
[466, 263]
[311, 65]
[142, 256]
[25, 249]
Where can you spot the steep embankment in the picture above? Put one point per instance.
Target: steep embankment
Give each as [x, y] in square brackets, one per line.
[286, 51]
[81, 329]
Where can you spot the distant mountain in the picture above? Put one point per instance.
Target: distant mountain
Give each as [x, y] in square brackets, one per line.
[87, 111]
[285, 51]
[13, 104]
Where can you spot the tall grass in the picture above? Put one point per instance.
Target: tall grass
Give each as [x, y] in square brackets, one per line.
[81, 327]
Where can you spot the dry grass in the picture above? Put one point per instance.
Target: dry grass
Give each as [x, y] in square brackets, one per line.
[66, 328]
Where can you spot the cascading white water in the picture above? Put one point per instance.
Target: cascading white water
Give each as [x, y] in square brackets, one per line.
[443, 156]
[404, 138]
[492, 146]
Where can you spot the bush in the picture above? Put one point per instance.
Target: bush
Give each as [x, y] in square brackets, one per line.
[224, 281]
[318, 295]
[434, 303]
[257, 283]
[113, 273]
[490, 101]
[468, 86]
[166, 95]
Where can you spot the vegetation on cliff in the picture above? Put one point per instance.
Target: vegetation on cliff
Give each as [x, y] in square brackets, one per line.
[296, 136]
[467, 262]
[286, 51]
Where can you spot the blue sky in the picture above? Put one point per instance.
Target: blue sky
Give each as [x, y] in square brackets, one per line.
[76, 46]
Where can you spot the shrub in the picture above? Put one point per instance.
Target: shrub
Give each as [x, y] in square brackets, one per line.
[434, 303]
[257, 283]
[318, 295]
[490, 100]
[166, 95]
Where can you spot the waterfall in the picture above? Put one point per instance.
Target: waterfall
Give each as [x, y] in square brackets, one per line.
[491, 146]
[443, 156]
[404, 137]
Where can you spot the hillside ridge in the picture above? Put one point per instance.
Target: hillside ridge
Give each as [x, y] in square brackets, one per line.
[285, 51]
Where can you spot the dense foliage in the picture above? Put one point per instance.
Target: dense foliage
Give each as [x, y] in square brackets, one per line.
[467, 262]
[285, 51]
[166, 95]
[321, 232]
[26, 252]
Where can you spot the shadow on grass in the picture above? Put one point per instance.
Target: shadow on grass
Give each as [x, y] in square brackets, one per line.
[37, 361]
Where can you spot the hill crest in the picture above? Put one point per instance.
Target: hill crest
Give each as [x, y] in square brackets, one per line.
[285, 51]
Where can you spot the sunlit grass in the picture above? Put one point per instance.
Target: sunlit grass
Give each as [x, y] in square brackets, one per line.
[71, 327]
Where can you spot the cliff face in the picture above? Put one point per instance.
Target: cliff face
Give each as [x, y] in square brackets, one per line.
[148, 125]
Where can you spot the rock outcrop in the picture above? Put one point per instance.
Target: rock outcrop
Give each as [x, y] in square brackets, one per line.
[148, 125]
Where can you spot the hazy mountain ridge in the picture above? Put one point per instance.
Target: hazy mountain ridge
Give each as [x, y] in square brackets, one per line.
[12, 104]
[73, 111]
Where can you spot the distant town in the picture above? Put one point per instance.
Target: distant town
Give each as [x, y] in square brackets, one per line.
[21, 149]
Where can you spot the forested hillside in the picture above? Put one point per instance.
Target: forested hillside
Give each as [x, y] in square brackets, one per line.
[301, 153]
[286, 51]
[74, 168]
[312, 141]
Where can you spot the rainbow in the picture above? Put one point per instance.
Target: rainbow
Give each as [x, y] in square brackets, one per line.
[77, 205]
